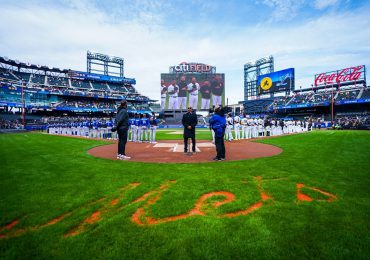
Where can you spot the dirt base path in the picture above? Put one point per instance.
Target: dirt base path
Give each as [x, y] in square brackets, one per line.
[172, 151]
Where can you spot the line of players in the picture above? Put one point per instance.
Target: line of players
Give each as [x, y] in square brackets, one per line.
[141, 129]
[245, 127]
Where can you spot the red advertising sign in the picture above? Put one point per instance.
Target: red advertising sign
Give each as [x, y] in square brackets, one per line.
[340, 76]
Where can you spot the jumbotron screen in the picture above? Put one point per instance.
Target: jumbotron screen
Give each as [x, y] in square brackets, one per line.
[276, 81]
[200, 91]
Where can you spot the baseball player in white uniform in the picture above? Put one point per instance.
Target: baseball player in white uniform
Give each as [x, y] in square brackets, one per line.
[173, 91]
[273, 127]
[193, 88]
[205, 91]
[261, 127]
[237, 127]
[229, 127]
[163, 94]
[244, 125]
[182, 94]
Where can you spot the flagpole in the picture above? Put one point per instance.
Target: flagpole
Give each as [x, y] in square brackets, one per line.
[22, 104]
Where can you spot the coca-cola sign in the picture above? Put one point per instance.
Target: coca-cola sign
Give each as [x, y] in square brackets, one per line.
[340, 76]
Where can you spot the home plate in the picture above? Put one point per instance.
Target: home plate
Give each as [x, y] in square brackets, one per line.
[164, 145]
[180, 148]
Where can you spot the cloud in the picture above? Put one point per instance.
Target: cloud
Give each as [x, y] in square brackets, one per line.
[322, 4]
[284, 9]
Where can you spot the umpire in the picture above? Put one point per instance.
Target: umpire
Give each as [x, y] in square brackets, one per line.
[121, 126]
[189, 121]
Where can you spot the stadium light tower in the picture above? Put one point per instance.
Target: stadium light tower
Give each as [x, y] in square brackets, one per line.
[251, 72]
[107, 62]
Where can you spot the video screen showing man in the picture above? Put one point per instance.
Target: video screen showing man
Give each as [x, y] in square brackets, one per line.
[183, 91]
[193, 88]
[217, 87]
[173, 91]
[205, 91]
[163, 94]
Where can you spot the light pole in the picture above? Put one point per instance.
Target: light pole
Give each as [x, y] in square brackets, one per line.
[23, 103]
[332, 104]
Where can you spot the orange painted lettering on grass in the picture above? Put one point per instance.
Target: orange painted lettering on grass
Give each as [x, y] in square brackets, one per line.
[141, 218]
[304, 197]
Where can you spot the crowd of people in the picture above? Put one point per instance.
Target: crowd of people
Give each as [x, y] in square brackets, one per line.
[10, 124]
[353, 122]
[320, 96]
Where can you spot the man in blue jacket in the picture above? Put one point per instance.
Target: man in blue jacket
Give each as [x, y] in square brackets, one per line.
[218, 125]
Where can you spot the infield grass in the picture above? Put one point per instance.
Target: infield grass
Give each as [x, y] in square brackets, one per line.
[44, 177]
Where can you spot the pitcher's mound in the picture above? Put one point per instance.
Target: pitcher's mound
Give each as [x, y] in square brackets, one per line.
[173, 151]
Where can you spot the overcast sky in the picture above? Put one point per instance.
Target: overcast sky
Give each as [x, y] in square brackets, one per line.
[151, 35]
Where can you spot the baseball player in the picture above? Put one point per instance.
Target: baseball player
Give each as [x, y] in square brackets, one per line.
[273, 127]
[237, 127]
[131, 123]
[144, 128]
[205, 90]
[182, 95]
[153, 128]
[173, 91]
[244, 125]
[255, 128]
[261, 127]
[136, 128]
[193, 88]
[229, 127]
[217, 88]
[163, 94]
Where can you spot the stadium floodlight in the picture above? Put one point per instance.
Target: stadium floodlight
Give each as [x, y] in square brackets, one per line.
[106, 62]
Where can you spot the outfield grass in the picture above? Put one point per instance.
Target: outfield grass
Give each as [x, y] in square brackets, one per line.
[43, 177]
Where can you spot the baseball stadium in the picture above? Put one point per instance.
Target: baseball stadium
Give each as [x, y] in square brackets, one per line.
[94, 166]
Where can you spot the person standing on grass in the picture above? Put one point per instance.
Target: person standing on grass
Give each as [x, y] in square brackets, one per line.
[218, 125]
[121, 126]
[153, 128]
[189, 121]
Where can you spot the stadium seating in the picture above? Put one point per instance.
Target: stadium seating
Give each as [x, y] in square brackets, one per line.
[366, 93]
[22, 75]
[6, 76]
[100, 86]
[301, 98]
[57, 81]
[118, 88]
[131, 89]
[38, 79]
[321, 97]
[347, 95]
[80, 84]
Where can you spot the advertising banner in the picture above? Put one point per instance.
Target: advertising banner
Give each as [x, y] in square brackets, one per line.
[276, 81]
[97, 77]
[346, 75]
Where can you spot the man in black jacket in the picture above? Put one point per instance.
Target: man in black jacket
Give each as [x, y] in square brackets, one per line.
[189, 121]
[121, 126]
